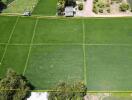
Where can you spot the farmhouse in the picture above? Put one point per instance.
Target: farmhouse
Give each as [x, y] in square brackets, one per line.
[69, 11]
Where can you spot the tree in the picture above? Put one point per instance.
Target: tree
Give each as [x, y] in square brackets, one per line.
[124, 7]
[2, 6]
[64, 91]
[14, 87]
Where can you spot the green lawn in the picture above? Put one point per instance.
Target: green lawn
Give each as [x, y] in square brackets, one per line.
[46, 7]
[109, 68]
[26, 25]
[6, 26]
[57, 52]
[59, 31]
[15, 59]
[50, 64]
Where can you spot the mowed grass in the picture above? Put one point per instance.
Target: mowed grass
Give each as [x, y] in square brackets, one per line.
[6, 26]
[49, 65]
[59, 31]
[15, 58]
[109, 31]
[2, 47]
[46, 7]
[109, 68]
[57, 52]
[23, 31]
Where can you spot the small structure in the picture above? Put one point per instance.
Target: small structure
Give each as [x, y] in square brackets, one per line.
[69, 11]
[27, 13]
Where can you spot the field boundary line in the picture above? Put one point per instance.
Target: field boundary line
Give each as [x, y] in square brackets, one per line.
[34, 31]
[12, 31]
[72, 91]
[84, 53]
[35, 44]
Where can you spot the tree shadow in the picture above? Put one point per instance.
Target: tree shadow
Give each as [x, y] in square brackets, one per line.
[2, 6]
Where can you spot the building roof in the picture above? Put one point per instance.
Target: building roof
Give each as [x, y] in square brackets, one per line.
[69, 11]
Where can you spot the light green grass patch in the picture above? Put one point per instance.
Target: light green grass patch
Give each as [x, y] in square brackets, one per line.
[23, 31]
[15, 59]
[6, 26]
[109, 31]
[49, 65]
[59, 31]
[109, 68]
[46, 7]
[19, 6]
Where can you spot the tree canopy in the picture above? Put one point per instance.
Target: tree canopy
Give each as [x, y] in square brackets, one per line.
[14, 87]
[64, 91]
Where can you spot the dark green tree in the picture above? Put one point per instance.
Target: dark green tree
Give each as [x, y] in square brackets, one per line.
[64, 91]
[14, 87]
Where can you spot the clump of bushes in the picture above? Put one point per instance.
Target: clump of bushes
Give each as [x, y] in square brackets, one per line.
[124, 7]
[65, 91]
[80, 6]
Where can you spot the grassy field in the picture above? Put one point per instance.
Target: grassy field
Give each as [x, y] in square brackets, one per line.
[46, 7]
[96, 51]
[19, 6]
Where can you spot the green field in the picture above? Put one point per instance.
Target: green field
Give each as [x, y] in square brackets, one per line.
[47, 51]
[46, 7]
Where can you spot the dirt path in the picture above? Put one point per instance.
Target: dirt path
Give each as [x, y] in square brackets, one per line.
[88, 7]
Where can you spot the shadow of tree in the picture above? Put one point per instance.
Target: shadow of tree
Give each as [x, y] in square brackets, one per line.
[2, 6]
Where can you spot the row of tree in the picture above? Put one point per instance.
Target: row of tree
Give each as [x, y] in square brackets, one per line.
[16, 87]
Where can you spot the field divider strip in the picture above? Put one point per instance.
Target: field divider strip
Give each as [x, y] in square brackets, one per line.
[41, 44]
[84, 53]
[34, 31]
[12, 31]
[72, 91]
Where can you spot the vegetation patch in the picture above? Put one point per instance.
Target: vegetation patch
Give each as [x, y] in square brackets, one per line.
[20, 6]
[111, 6]
[46, 7]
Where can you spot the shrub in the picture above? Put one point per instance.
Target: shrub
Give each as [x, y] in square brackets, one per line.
[101, 10]
[108, 10]
[80, 6]
[95, 10]
[124, 7]
[65, 91]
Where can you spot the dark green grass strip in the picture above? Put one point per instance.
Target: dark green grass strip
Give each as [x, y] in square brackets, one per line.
[45, 7]
[6, 25]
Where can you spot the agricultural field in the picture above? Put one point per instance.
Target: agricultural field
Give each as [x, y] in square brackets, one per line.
[48, 50]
